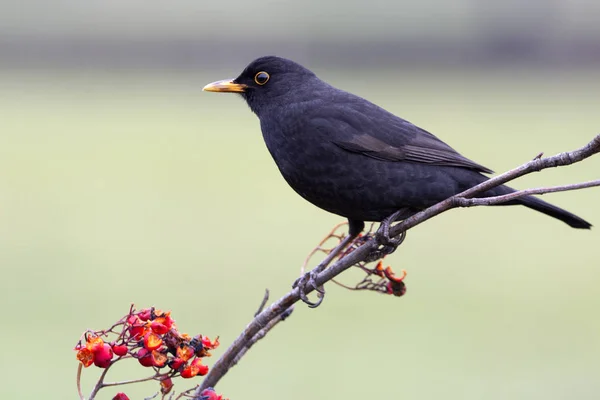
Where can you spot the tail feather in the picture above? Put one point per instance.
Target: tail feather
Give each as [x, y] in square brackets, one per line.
[539, 205]
[535, 203]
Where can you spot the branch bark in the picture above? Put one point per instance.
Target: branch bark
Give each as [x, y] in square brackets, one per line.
[268, 318]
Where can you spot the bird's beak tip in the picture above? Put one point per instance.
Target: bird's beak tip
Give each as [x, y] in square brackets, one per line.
[225, 86]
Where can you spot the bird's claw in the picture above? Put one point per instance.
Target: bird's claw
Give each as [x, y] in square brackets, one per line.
[307, 283]
[383, 233]
[387, 244]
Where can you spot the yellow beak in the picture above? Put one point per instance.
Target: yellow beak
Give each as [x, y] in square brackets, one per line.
[226, 85]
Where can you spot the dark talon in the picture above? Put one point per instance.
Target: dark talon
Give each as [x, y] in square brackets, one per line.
[317, 304]
[354, 229]
[383, 233]
[308, 281]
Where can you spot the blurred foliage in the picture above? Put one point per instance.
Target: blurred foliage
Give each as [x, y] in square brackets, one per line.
[138, 187]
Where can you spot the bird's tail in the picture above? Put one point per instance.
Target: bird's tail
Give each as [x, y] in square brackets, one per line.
[537, 204]
[553, 211]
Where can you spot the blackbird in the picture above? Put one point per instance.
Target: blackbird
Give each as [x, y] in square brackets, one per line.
[351, 157]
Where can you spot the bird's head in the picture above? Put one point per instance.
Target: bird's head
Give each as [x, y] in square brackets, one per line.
[268, 81]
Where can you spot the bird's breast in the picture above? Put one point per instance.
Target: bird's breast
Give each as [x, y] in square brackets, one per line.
[317, 169]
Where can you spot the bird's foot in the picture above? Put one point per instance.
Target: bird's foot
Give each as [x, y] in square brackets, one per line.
[388, 244]
[307, 283]
[383, 233]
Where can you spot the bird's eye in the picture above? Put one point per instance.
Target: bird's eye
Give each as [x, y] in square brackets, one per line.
[261, 78]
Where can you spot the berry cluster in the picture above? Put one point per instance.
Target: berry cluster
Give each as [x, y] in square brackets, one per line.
[151, 337]
[206, 394]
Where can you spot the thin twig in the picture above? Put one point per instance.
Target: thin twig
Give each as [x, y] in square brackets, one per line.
[100, 383]
[320, 245]
[490, 201]
[275, 310]
[185, 393]
[263, 303]
[149, 378]
[79, 368]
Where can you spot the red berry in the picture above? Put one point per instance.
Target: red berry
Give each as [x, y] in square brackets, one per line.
[203, 370]
[103, 356]
[119, 349]
[136, 327]
[159, 328]
[137, 332]
[145, 314]
[167, 321]
[208, 344]
[166, 385]
[176, 363]
[210, 394]
[189, 372]
[120, 396]
[197, 364]
[144, 357]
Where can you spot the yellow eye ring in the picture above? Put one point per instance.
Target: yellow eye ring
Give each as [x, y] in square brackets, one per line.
[261, 78]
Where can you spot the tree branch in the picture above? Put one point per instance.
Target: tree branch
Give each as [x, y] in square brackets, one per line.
[490, 201]
[268, 318]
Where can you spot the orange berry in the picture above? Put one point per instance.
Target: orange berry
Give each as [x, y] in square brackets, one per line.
[185, 352]
[152, 341]
[94, 343]
[85, 356]
[158, 359]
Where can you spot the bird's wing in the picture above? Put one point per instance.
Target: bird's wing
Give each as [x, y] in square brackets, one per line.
[425, 151]
[376, 133]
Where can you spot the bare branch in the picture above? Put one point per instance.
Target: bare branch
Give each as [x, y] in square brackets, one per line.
[263, 322]
[262, 333]
[100, 384]
[489, 201]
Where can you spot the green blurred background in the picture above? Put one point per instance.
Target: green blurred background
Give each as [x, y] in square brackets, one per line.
[120, 182]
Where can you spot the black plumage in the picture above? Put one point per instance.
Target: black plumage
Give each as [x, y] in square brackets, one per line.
[351, 157]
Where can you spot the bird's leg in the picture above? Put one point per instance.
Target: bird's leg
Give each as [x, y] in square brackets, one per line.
[308, 282]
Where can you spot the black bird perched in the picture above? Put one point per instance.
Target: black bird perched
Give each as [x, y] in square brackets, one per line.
[350, 157]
